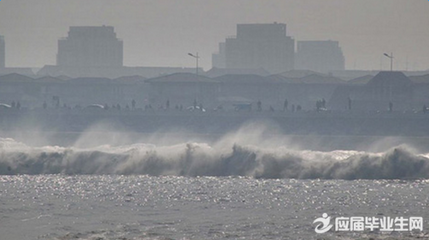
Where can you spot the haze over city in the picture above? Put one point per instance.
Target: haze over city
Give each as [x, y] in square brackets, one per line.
[161, 33]
[214, 119]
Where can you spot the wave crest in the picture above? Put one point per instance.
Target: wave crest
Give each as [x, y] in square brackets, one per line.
[200, 159]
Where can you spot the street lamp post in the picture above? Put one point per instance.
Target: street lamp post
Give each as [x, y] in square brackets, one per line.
[196, 71]
[391, 60]
[196, 58]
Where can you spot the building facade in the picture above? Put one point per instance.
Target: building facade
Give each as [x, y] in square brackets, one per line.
[93, 46]
[260, 46]
[319, 56]
[388, 89]
[218, 59]
[2, 52]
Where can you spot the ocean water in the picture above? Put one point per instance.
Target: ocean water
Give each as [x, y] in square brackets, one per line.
[238, 187]
[171, 207]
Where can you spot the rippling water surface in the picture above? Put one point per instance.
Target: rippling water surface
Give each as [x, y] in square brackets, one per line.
[241, 186]
[172, 207]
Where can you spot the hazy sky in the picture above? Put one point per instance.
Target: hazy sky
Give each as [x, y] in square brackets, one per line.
[162, 32]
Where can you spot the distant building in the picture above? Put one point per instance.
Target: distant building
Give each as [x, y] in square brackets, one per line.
[217, 72]
[381, 90]
[8, 70]
[259, 46]
[2, 53]
[111, 72]
[218, 59]
[183, 89]
[90, 47]
[32, 92]
[319, 56]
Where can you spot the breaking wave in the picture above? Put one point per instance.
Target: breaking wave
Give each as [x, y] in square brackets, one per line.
[201, 159]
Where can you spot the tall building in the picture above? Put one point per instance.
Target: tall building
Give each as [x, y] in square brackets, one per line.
[2, 53]
[218, 59]
[319, 56]
[260, 46]
[90, 47]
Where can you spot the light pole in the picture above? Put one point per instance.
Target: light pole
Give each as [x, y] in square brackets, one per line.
[196, 82]
[391, 60]
[196, 58]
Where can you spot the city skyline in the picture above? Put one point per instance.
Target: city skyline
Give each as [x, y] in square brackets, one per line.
[90, 47]
[265, 46]
[161, 33]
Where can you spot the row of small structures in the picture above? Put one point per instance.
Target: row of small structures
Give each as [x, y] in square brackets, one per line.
[304, 89]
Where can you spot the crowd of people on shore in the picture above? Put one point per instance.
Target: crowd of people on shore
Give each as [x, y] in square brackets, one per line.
[320, 106]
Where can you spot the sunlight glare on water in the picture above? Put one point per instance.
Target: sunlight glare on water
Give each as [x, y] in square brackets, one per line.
[144, 207]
